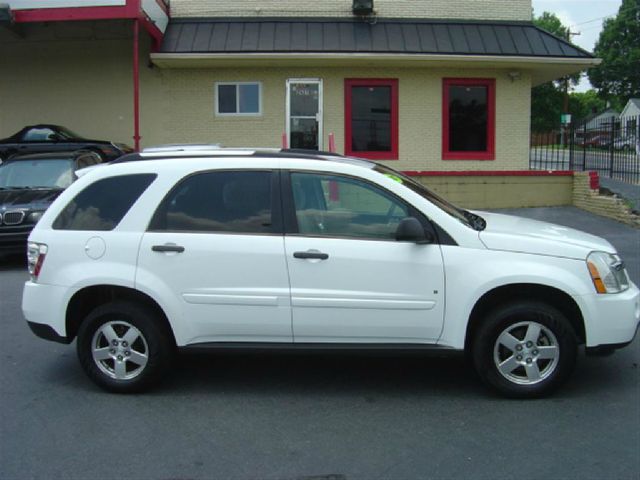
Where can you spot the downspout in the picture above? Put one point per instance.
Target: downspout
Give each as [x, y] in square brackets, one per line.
[136, 85]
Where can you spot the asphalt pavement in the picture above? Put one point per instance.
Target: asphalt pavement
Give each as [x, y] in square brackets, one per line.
[313, 417]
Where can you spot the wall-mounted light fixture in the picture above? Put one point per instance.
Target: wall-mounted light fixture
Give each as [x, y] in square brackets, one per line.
[514, 75]
[362, 7]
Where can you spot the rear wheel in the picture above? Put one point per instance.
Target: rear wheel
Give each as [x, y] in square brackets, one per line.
[123, 348]
[525, 349]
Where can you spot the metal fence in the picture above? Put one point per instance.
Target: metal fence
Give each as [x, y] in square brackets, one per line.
[609, 147]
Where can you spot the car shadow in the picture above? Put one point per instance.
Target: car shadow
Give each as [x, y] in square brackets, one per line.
[326, 374]
[369, 377]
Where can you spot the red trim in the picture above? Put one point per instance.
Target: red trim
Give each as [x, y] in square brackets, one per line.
[136, 84]
[153, 31]
[594, 180]
[130, 10]
[371, 82]
[489, 154]
[490, 173]
[334, 191]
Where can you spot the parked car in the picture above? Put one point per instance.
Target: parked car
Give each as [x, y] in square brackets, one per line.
[53, 138]
[624, 143]
[594, 141]
[28, 185]
[241, 249]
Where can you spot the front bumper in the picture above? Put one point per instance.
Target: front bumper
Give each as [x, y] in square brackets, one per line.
[612, 320]
[14, 239]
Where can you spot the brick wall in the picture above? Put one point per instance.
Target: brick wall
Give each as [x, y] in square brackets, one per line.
[460, 9]
[587, 198]
[503, 191]
[191, 118]
[78, 75]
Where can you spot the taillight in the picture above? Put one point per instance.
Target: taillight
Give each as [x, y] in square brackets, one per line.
[36, 253]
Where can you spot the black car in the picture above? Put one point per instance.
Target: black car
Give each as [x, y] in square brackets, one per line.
[53, 138]
[28, 185]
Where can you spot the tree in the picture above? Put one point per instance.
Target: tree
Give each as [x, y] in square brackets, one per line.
[584, 104]
[547, 99]
[618, 76]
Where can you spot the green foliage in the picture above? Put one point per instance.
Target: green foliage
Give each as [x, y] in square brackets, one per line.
[552, 24]
[618, 76]
[547, 99]
[546, 107]
[584, 104]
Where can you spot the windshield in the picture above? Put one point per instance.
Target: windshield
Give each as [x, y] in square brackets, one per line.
[37, 173]
[470, 219]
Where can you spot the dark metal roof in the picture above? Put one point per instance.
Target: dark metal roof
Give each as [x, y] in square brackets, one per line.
[385, 36]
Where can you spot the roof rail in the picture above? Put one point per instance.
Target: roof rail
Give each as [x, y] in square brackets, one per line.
[169, 153]
[182, 147]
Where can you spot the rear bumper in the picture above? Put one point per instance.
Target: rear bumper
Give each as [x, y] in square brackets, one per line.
[45, 331]
[41, 306]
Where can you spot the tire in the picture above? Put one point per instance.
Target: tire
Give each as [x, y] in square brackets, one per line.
[123, 348]
[524, 349]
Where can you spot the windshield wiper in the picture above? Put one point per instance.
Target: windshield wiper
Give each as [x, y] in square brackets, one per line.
[476, 221]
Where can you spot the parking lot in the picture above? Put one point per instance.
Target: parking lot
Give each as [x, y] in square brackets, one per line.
[314, 417]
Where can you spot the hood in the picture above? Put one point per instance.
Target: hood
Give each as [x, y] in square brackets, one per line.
[517, 234]
[33, 199]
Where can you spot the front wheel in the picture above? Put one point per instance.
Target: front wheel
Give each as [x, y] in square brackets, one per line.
[525, 349]
[123, 348]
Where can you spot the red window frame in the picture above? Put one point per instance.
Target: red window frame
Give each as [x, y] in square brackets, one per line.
[371, 82]
[489, 153]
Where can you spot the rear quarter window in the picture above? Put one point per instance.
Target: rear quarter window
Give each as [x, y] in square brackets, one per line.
[103, 204]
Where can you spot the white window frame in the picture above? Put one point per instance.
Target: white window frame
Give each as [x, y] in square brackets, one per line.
[319, 116]
[237, 113]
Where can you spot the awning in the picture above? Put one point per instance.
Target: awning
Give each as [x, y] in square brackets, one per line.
[278, 41]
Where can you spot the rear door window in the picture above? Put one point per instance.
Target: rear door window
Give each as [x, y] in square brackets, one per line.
[103, 204]
[222, 201]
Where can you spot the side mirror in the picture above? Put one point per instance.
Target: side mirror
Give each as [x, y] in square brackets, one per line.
[411, 230]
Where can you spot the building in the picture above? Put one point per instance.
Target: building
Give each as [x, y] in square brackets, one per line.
[427, 85]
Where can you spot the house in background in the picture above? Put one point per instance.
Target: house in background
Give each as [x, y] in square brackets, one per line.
[423, 85]
[629, 125]
[601, 120]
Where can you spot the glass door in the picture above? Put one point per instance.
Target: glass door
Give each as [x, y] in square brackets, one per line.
[304, 113]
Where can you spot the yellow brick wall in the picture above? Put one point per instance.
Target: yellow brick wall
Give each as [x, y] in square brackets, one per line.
[459, 9]
[502, 191]
[603, 205]
[191, 117]
[78, 75]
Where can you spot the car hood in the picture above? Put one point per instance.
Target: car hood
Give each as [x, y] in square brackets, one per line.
[517, 234]
[28, 198]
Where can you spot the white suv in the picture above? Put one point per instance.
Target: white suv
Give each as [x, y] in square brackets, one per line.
[165, 250]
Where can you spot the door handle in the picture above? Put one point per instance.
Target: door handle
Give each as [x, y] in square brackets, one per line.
[312, 255]
[168, 248]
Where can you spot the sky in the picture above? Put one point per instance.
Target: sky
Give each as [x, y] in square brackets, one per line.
[584, 16]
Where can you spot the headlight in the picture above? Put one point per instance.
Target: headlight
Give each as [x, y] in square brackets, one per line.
[34, 217]
[607, 272]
